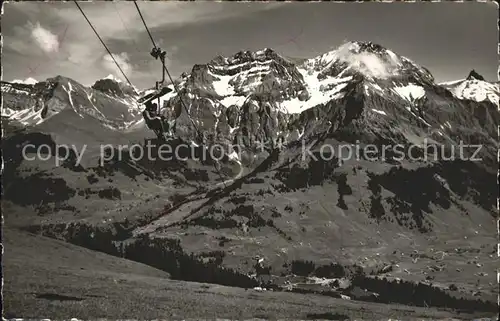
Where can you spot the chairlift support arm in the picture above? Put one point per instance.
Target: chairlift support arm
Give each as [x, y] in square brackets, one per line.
[156, 52]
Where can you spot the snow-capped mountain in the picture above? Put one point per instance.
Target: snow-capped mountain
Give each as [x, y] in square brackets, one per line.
[339, 217]
[474, 87]
[27, 81]
[252, 97]
[262, 96]
[111, 102]
[116, 87]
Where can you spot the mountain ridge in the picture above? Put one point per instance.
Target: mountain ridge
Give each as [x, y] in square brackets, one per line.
[258, 97]
[365, 59]
[318, 219]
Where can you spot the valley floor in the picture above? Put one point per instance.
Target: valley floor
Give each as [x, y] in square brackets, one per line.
[46, 278]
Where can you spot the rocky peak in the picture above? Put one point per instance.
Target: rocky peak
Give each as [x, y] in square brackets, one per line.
[114, 86]
[54, 82]
[242, 56]
[361, 46]
[218, 60]
[108, 86]
[247, 56]
[263, 72]
[369, 60]
[474, 75]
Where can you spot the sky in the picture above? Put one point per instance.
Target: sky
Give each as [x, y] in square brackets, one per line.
[46, 39]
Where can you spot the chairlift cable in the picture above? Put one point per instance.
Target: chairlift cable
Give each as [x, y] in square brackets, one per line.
[166, 70]
[144, 22]
[200, 135]
[125, 26]
[97, 34]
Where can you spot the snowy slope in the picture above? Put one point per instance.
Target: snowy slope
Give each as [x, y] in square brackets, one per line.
[474, 89]
[259, 94]
[111, 103]
[27, 81]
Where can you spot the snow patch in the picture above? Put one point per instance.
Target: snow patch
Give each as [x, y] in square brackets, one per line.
[381, 112]
[477, 90]
[320, 92]
[68, 91]
[233, 100]
[236, 66]
[410, 92]
[222, 86]
[15, 91]
[26, 117]
[89, 97]
[27, 81]
[260, 52]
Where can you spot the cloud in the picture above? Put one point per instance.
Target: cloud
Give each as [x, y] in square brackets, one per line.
[120, 19]
[57, 38]
[80, 53]
[122, 60]
[367, 63]
[45, 39]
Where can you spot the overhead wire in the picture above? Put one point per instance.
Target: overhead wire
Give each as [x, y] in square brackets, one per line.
[125, 26]
[143, 61]
[145, 25]
[200, 135]
[107, 49]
